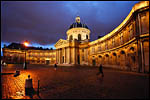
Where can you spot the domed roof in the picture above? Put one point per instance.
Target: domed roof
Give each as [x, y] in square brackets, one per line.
[78, 24]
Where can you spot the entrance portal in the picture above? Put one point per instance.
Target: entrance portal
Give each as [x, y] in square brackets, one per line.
[47, 62]
[94, 62]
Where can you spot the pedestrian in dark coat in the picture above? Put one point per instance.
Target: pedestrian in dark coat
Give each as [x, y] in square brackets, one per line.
[100, 70]
[55, 66]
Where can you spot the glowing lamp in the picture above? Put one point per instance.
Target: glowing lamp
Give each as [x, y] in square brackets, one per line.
[26, 43]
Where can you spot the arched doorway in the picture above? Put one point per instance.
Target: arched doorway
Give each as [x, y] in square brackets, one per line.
[131, 61]
[122, 58]
[86, 36]
[100, 59]
[114, 58]
[106, 59]
[93, 61]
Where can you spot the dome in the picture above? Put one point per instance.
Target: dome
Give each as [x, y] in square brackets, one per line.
[78, 24]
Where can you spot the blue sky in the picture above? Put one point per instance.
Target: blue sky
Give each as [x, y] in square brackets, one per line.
[43, 23]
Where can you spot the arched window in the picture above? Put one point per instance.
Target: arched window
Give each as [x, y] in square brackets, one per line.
[86, 36]
[107, 55]
[122, 52]
[71, 37]
[114, 54]
[100, 56]
[79, 37]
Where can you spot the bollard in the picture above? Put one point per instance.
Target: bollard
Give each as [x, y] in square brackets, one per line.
[28, 86]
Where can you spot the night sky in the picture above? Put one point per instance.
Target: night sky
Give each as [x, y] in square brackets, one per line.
[43, 23]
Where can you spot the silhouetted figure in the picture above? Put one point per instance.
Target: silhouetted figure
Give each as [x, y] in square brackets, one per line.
[55, 66]
[100, 70]
[29, 87]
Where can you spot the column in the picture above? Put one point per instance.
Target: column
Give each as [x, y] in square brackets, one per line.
[57, 55]
[74, 56]
[65, 55]
[69, 55]
[61, 56]
[142, 57]
[138, 32]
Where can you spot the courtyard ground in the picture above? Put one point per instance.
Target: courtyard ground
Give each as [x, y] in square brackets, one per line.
[78, 82]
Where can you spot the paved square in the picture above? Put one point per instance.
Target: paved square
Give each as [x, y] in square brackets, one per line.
[78, 82]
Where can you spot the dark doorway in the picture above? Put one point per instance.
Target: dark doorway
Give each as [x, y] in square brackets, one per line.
[86, 36]
[63, 59]
[94, 62]
[47, 62]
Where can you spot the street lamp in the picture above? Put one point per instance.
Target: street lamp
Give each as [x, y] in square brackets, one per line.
[26, 43]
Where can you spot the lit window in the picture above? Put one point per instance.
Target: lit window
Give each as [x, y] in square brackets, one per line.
[93, 50]
[99, 48]
[121, 37]
[113, 41]
[106, 45]
[130, 32]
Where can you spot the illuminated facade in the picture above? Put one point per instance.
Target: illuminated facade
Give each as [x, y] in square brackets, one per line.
[68, 51]
[12, 55]
[125, 48]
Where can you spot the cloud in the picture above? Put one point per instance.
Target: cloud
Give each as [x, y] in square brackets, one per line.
[45, 22]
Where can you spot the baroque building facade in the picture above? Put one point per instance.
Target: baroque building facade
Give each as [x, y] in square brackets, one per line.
[15, 53]
[125, 48]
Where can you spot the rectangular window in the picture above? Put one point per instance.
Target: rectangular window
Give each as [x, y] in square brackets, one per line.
[121, 38]
[93, 50]
[99, 48]
[82, 50]
[106, 45]
[113, 41]
[130, 31]
[82, 58]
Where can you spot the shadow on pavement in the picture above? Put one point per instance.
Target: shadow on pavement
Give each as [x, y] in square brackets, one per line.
[6, 73]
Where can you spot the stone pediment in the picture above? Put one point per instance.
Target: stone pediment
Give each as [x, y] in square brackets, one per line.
[61, 43]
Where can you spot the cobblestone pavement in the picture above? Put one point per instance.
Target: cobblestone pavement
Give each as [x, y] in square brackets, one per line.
[74, 82]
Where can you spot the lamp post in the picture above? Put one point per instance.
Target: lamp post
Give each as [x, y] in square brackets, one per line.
[26, 43]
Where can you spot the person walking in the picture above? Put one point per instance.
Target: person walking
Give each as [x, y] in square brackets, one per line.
[55, 66]
[100, 70]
